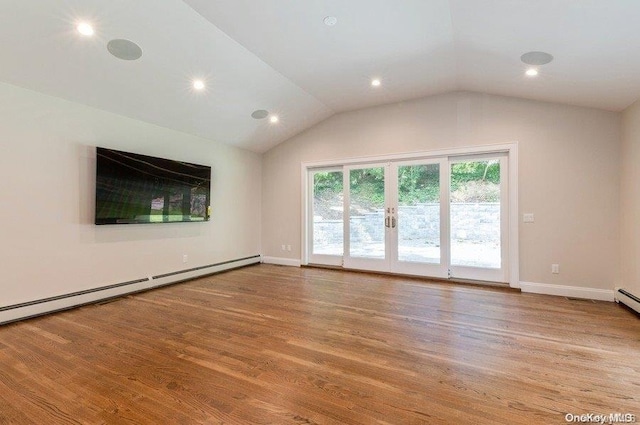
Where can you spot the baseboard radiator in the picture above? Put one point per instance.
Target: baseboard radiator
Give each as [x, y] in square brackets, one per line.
[627, 298]
[29, 309]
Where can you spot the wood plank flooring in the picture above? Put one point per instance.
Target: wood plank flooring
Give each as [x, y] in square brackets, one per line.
[282, 345]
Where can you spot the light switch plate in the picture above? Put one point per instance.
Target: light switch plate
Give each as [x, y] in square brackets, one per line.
[528, 218]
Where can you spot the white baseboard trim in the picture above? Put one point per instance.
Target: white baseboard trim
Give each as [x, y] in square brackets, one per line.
[281, 261]
[25, 310]
[567, 291]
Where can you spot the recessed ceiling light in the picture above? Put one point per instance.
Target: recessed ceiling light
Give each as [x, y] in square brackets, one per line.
[330, 21]
[375, 82]
[536, 58]
[259, 114]
[124, 49]
[274, 119]
[198, 84]
[531, 72]
[85, 28]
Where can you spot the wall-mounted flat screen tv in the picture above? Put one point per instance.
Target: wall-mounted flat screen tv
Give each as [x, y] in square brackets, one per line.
[133, 188]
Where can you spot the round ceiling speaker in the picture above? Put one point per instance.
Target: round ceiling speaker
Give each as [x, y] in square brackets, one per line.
[536, 58]
[259, 114]
[124, 49]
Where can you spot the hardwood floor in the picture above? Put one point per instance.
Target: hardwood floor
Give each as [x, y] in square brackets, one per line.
[283, 345]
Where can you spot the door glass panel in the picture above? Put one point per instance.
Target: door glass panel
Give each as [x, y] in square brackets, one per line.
[475, 214]
[328, 230]
[419, 213]
[366, 212]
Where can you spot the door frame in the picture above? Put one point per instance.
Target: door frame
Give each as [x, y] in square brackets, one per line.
[513, 220]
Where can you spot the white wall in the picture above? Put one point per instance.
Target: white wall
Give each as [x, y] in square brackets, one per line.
[49, 244]
[568, 171]
[630, 199]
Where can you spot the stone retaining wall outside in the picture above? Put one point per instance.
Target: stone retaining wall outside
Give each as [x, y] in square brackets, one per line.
[472, 224]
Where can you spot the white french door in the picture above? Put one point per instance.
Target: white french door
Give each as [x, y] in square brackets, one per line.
[366, 221]
[439, 217]
[419, 232]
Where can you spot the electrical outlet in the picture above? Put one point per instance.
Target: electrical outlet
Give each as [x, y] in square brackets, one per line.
[185, 258]
[555, 268]
[528, 218]
[284, 247]
[288, 247]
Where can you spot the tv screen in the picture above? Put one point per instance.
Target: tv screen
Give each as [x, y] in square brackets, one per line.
[133, 188]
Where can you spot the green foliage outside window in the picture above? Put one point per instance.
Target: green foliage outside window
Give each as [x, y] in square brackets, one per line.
[476, 181]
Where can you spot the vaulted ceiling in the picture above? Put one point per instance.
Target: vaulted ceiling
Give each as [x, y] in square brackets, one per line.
[278, 55]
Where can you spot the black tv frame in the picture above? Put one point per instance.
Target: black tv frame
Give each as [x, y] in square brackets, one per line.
[139, 189]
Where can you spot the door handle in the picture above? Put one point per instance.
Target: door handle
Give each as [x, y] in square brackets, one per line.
[393, 222]
[386, 222]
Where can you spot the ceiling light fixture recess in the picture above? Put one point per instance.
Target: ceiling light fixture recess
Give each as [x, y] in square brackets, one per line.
[376, 82]
[274, 119]
[124, 49]
[198, 84]
[330, 21]
[85, 29]
[259, 114]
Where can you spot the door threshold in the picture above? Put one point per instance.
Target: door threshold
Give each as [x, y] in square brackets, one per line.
[479, 282]
[469, 282]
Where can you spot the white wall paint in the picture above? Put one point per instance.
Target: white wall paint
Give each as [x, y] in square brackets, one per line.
[50, 245]
[568, 161]
[630, 199]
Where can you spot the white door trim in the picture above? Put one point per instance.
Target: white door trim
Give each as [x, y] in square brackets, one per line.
[458, 151]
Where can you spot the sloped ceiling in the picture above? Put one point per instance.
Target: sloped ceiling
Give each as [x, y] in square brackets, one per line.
[278, 55]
